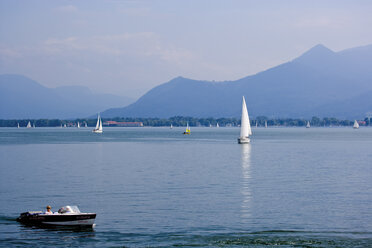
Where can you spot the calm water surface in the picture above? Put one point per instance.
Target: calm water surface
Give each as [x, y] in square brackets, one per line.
[154, 187]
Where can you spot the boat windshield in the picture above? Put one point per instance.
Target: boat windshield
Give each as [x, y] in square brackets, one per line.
[69, 209]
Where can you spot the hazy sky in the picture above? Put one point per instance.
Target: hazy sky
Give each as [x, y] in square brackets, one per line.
[128, 47]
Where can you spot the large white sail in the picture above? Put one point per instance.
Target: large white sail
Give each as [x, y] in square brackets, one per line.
[245, 127]
[100, 124]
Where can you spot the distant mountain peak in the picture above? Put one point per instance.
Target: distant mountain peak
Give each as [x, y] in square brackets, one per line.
[316, 53]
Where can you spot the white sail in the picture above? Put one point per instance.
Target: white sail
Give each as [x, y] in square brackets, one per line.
[171, 126]
[308, 124]
[266, 124]
[245, 126]
[100, 124]
[29, 125]
[78, 125]
[86, 125]
[356, 125]
[217, 125]
[34, 125]
[98, 128]
[97, 125]
[17, 125]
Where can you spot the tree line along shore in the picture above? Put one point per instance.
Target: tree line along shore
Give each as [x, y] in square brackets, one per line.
[182, 121]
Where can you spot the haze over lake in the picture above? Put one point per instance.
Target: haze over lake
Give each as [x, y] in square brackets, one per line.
[156, 187]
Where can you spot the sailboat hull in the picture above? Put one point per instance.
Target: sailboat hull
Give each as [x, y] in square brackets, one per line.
[243, 140]
[97, 131]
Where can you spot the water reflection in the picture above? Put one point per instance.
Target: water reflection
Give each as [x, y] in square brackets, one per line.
[246, 174]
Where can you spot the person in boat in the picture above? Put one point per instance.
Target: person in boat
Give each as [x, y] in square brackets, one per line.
[65, 210]
[48, 210]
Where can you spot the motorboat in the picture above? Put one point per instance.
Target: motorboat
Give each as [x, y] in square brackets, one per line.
[66, 216]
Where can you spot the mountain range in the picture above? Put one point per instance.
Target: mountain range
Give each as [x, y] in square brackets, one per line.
[320, 82]
[24, 98]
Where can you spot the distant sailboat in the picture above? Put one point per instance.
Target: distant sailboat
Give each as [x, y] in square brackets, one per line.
[256, 123]
[217, 125]
[86, 125]
[78, 126]
[356, 125]
[29, 125]
[98, 128]
[33, 125]
[17, 125]
[65, 125]
[171, 126]
[308, 124]
[188, 131]
[245, 126]
[265, 124]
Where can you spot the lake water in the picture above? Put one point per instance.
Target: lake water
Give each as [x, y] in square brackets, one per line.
[154, 187]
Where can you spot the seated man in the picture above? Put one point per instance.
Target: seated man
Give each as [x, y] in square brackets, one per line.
[48, 211]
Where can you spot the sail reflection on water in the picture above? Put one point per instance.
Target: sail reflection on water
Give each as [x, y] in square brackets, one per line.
[246, 177]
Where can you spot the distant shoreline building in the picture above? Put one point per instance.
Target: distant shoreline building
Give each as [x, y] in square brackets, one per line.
[122, 124]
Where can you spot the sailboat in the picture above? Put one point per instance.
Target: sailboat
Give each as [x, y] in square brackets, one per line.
[171, 126]
[86, 125]
[65, 125]
[29, 125]
[17, 125]
[308, 124]
[356, 125]
[188, 131]
[265, 124]
[245, 127]
[217, 125]
[33, 125]
[256, 123]
[98, 128]
[78, 126]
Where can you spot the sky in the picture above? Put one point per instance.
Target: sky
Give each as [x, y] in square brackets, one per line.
[128, 47]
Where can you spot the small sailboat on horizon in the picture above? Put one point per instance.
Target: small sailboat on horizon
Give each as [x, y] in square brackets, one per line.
[265, 124]
[356, 125]
[171, 126]
[17, 125]
[217, 125]
[98, 128]
[78, 125]
[308, 124]
[245, 126]
[188, 131]
[29, 125]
